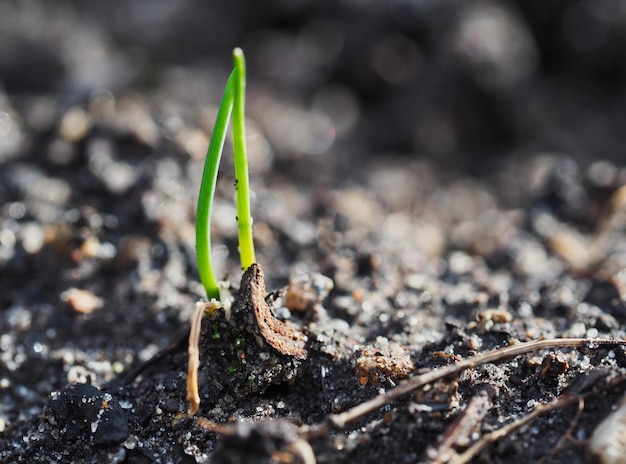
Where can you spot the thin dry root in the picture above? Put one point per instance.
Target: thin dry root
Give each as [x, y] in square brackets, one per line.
[193, 397]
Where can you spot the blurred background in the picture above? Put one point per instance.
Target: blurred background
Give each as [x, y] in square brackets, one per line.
[462, 83]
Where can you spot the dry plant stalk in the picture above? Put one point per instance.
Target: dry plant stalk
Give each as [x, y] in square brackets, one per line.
[193, 396]
[458, 433]
[608, 450]
[494, 436]
[339, 421]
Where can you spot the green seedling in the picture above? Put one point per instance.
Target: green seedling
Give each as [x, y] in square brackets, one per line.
[233, 103]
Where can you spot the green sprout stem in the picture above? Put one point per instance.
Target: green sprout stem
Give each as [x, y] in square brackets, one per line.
[242, 183]
[233, 103]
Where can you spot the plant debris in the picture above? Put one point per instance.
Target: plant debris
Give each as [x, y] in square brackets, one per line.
[265, 327]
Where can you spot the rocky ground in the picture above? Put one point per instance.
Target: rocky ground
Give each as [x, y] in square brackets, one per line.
[454, 168]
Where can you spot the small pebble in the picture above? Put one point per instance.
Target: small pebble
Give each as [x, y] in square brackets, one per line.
[82, 301]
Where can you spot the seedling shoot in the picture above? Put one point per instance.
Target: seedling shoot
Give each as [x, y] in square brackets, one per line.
[232, 104]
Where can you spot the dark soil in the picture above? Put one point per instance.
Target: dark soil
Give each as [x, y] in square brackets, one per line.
[456, 168]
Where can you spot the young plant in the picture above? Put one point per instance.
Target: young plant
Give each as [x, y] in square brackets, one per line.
[233, 103]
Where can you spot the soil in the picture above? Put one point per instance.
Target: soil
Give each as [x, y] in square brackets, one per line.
[454, 169]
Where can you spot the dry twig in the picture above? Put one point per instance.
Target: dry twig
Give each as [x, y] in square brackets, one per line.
[193, 397]
[340, 421]
[558, 403]
[458, 433]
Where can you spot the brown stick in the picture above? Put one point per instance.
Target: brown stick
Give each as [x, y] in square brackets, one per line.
[458, 434]
[339, 421]
[193, 397]
[557, 403]
[477, 447]
[568, 437]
